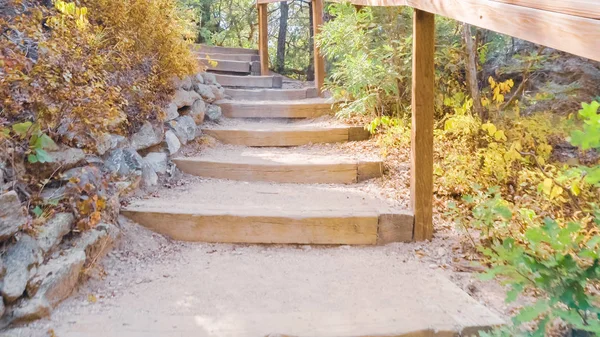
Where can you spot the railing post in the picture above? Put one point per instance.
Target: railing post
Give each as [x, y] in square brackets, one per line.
[263, 39]
[319, 61]
[423, 78]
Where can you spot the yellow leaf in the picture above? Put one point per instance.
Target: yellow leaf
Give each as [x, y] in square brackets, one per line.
[499, 135]
[547, 186]
[575, 188]
[490, 128]
[556, 191]
[92, 298]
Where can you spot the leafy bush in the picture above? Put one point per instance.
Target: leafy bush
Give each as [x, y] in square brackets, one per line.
[79, 70]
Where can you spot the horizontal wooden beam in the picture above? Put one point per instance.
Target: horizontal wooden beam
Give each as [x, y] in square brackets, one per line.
[584, 8]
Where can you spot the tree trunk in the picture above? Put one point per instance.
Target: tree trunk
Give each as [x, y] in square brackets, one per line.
[471, 67]
[283, 24]
[310, 71]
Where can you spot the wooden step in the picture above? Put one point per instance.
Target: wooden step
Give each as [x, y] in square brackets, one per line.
[271, 94]
[277, 134]
[229, 57]
[233, 212]
[227, 66]
[280, 165]
[249, 81]
[307, 108]
[202, 48]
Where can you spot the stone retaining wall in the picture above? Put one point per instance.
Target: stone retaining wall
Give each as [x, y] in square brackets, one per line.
[42, 259]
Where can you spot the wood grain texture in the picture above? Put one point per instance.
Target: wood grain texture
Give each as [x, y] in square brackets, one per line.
[274, 109]
[395, 227]
[319, 60]
[263, 38]
[223, 50]
[358, 133]
[230, 57]
[226, 65]
[584, 8]
[293, 229]
[245, 81]
[423, 77]
[278, 138]
[312, 173]
[368, 170]
[271, 95]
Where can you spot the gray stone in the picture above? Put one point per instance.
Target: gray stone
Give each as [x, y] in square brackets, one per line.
[205, 91]
[147, 136]
[149, 177]
[56, 279]
[199, 79]
[107, 141]
[213, 112]
[218, 92]
[209, 79]
[23, 311]
[87, 173]
[12, 215]
[96, 242]
[185, 98]
[171, 112]
[186, 83]
[124, 162]
[51, 233]
[158, 161]
[196, 111]
[173, 143]
[21, 261]
[184, 128]
[66, 158]
[2, 308]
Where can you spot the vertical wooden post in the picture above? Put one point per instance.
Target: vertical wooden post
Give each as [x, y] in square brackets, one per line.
[317, 8]
[423, 78]
[263, 39]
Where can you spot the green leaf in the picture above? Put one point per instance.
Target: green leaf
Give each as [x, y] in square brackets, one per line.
[530, 313]
[47, 142]
[21, 128]
[43, 156]
[38, 211]
[32, 158]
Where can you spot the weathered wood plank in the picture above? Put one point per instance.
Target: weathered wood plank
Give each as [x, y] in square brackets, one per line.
[263, 38]
[248, 81]
[584, 8]
[319, 60]
[311, 173]
[202, 48]
[229, 57]
[226, 65]
[297, 228]
[423, 77]
[271, 95]
[274, 109]
[279, 137]
[395, 227]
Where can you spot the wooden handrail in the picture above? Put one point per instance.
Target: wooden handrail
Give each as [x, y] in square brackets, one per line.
[572, 26]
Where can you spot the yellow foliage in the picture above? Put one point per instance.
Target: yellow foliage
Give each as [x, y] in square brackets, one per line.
[101, 65]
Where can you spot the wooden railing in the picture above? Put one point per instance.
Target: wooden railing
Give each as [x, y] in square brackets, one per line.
[572, 26]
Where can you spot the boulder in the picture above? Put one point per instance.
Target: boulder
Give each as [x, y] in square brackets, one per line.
[159, 161]
[218, 92]
[23, 311]
[196, 111]
[173, 143]
[213, 112]
[147, 136]
[56, 279]
[51, 233]
[2, 308]
[21, 261]
[65, 158]
[186, 83]
[205, 91]
[97, 242]
[107, 141]
[184, 128]
[12, 215]
[199, 79]
[149, 177]
[185, 98]
[209, 79]
[171, 112]
[124, 162]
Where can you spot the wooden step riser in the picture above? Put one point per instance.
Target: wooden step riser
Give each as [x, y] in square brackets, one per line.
[364, 229]
[249, 110]
[272, 95]
[227, 66]
[267, 138]
[249, 81]
[342, 173]
[230, 57]
[224, 50]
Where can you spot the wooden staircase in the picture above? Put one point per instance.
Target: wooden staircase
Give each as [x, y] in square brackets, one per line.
[259, 187]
